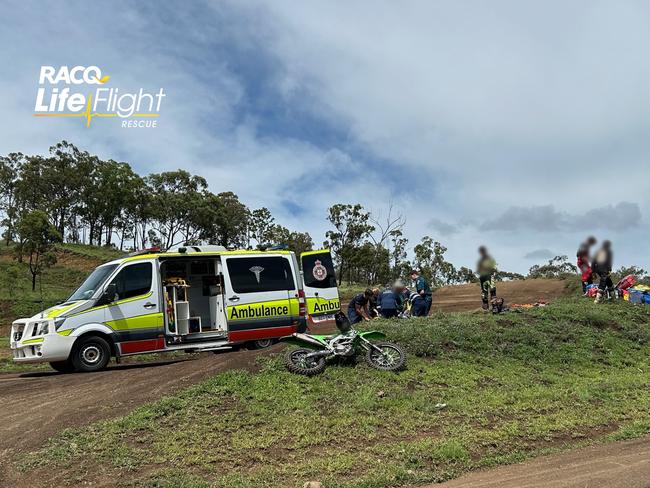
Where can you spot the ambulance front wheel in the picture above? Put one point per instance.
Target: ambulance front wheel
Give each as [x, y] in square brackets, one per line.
[62, 366]
[92, 353]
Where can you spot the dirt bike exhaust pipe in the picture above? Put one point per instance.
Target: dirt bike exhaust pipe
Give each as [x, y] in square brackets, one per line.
[318, 354]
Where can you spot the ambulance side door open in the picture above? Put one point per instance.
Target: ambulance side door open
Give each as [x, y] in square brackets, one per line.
[261, 297]
[321, 292]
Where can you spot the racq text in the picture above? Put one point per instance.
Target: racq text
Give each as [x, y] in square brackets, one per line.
[139, 124]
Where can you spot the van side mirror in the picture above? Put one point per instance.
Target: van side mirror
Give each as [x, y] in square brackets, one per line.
[109, 294]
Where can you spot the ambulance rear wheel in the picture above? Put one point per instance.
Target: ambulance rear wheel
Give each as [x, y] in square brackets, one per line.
[92, 353]
[62, 366]
[260, 344]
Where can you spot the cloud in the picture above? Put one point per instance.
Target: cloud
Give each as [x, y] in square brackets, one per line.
[620, 217]
[540, 254]
[538, 218]
[442, 227]
[296, 106]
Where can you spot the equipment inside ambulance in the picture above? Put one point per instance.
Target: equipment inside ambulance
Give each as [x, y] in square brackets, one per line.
[198, 298]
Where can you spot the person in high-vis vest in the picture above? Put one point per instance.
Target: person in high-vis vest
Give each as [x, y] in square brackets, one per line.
[486, 269]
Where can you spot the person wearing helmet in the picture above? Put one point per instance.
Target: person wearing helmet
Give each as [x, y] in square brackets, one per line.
[357, 309]
[486, 268]
[422, 288]
[602, 266]
[387, 302]
[584, 260]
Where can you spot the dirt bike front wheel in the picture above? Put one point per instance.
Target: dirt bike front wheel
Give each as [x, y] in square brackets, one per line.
[297, 362]
[386, 356]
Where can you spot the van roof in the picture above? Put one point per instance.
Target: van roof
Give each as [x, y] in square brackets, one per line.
[177, 254]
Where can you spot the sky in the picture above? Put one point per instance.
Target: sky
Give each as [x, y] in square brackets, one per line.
[524, 126]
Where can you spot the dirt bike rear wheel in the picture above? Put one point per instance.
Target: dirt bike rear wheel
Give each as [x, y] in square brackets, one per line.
[391, 358]
[297, 362]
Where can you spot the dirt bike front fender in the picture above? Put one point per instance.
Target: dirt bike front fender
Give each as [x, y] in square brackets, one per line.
[303, 340]
[372, 335]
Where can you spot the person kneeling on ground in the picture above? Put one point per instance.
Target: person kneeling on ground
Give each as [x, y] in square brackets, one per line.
[422, 288]
[486, 268]
[388, 302]
[418, 305]
[357, 309]
[584, 262]
[602, 266]
[373, 304]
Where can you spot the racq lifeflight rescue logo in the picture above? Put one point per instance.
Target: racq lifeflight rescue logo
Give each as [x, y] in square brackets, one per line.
[80, 92]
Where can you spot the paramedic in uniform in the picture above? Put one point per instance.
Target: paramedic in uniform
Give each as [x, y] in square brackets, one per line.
[584, 262]
[387, 302]
[422, 288]
[357, 308]
[486, 268]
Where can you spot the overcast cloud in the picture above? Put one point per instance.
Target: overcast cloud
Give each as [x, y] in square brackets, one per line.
[539, 254]
[623, 216]
[519, 125]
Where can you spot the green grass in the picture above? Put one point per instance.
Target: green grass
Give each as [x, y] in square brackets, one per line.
[513, 386]
[75, 262]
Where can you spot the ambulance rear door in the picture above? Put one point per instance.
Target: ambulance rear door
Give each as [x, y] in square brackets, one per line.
[321, 292]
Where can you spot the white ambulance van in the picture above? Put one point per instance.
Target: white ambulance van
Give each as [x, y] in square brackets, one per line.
[193, 298]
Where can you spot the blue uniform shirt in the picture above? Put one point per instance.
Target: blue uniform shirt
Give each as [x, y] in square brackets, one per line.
[387, 300]
[421, 284]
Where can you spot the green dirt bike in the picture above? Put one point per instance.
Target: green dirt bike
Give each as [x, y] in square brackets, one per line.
[314, 351]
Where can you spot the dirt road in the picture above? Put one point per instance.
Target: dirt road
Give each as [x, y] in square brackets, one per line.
[617, 465]
[35, 406]
[464, 298]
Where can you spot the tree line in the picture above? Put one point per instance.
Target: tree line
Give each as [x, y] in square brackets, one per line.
[70, 195]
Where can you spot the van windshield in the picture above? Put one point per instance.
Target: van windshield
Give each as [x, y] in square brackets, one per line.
[92, 283]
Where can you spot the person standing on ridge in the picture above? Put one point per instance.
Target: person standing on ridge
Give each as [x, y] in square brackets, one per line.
[602, 266]
[486, 268]
[422, 288]
[584, 262]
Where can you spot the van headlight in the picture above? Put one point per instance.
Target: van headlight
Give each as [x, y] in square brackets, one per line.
[42, 328]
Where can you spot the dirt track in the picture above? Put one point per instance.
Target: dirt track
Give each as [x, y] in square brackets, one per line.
[618, 465]
[464, 298]
[37, 405]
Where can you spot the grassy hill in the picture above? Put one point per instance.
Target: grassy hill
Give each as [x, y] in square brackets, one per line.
[479, 390]
[74, 262]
